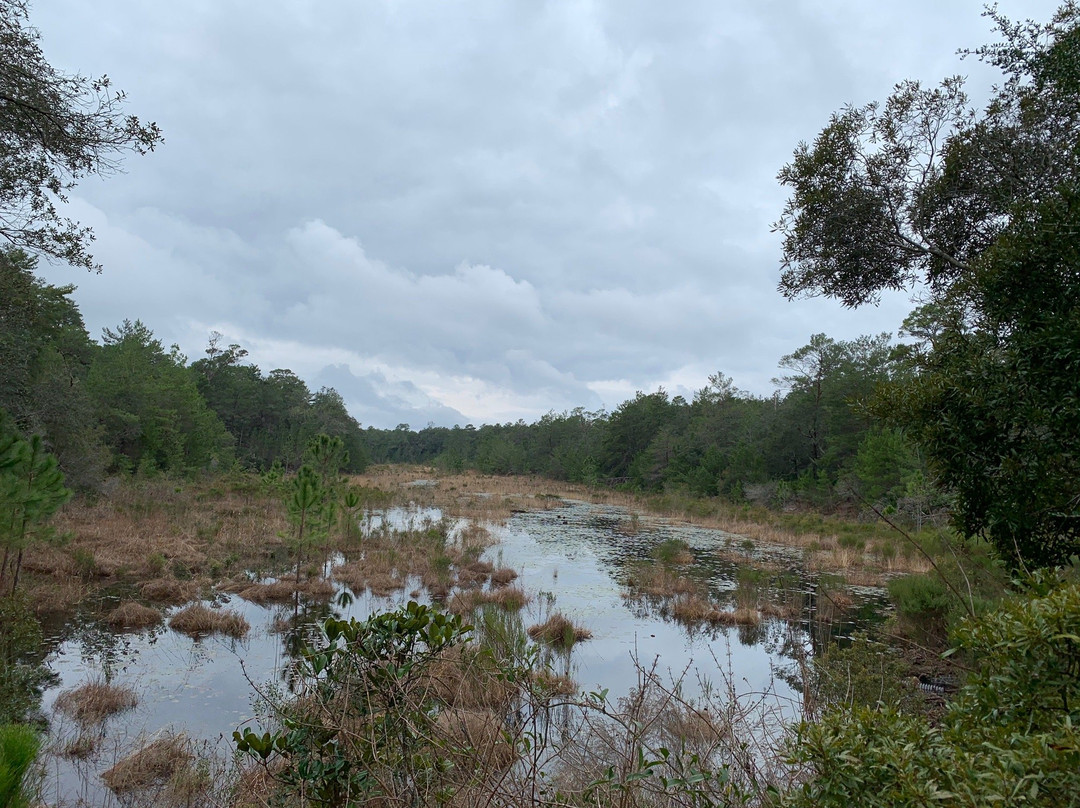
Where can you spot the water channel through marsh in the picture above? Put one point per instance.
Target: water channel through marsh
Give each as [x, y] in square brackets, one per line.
[576, 558]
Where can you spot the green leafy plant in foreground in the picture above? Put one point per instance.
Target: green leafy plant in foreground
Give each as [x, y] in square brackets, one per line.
[365, 722]
[19, 745]
[1009, 738]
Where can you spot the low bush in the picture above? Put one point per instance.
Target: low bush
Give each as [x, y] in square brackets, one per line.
[1009, 738]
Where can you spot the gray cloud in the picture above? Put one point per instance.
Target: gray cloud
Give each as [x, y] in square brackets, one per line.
[486, 209]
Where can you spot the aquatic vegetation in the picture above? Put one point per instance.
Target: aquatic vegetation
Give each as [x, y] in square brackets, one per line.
[93, 702]
[198, 619]
[559, 632]
[132, 614]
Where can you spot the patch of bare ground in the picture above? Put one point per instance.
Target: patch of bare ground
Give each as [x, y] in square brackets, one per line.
[197, 620]
[93, 702]
[559, 632]
[132, 614]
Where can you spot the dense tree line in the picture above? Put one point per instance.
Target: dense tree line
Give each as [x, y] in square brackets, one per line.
[127, 404]
[815, 438]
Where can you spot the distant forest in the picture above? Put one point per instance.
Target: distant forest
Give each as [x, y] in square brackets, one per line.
[128, 405]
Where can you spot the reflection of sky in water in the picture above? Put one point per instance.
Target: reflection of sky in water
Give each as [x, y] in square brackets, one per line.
[577, 553]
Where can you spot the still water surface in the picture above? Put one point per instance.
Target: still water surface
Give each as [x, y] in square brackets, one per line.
[573, 558]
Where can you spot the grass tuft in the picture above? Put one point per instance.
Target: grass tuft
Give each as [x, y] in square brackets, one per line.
[155, 763]
[93, 702]
[558, 631]
[197, 620]
[132, 614]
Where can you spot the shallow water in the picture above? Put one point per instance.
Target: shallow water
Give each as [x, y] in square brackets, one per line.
[571, 558]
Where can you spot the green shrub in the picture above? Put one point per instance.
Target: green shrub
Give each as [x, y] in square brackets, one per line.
[863, 673]
[923, 603]
[19, 746]
[1009, 738]
[22, 677]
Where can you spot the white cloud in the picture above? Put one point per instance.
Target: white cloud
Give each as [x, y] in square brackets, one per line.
[488, 209]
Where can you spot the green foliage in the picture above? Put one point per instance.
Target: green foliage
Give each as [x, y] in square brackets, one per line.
[22, 676]
[1009, 738]
[31, 490]
[923, 603]
[44, 350]
[885, 464]
[982, 209]
[307, 504]
[671, 551]
[273, 417]
[862, 673]
[150, 407]
[55, 129]
[369, 674]
[19, 745]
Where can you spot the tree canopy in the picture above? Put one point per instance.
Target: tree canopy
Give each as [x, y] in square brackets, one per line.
[54, 130]
[981, 209]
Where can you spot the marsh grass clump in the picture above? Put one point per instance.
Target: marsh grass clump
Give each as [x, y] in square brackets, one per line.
[285, 590]
[658, 581]
[673, 552]
[510, 598]
[90, 704]
[692, 608]
[559, 632]
[197, 620]
[503, 576]
[168, 590]
[154, 764]
[132, 614]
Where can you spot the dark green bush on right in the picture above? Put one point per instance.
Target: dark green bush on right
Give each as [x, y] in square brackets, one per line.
[1010, 738]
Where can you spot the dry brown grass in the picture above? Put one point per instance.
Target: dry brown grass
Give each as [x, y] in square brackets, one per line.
[257, 788]
[696, 609]
[286, 589]
[472, 735]
[143, 530]
[469, 494]
[559, 631]
[503, 576]
[81, 746]
[652, 578]
[155, 763]
[93, 702]
[691, 608]
[169, 590]
[132, 614]
[197, 620]
[548, 683]
[511, 598]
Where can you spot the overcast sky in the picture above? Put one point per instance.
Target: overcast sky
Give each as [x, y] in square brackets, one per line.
[459, 212]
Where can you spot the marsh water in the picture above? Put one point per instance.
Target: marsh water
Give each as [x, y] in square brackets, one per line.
[574, 558]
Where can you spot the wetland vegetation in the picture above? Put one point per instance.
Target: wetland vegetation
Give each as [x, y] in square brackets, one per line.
[859, 591]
